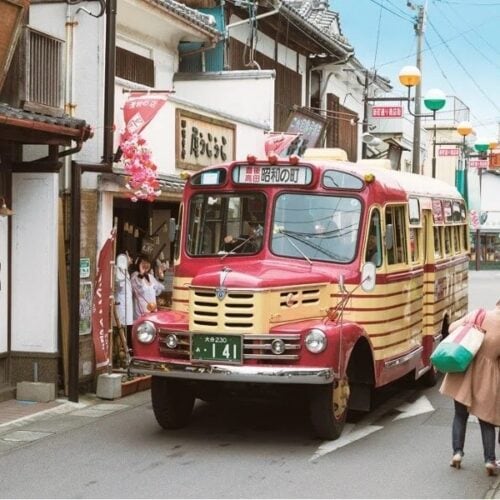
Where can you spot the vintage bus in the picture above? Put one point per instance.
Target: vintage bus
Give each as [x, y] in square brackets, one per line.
[325, 277]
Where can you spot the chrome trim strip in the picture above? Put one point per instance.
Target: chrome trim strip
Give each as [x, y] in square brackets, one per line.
[403, 359]
[231, 373]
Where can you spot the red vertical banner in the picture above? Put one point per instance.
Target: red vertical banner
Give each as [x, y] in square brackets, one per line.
[101, 303]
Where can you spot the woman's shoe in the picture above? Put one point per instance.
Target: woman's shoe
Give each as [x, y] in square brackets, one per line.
[492, 468]
[456, 460]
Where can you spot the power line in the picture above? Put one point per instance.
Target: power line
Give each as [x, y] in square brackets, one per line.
[466, 38]
[463, 67]
[378, 36]
[470, 4]
[405, 18]
[439, 44]
[476, 32]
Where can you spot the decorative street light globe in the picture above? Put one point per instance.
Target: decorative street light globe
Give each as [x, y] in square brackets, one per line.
[410, 76]
[482, 146]
[434, 100]
[464, 128]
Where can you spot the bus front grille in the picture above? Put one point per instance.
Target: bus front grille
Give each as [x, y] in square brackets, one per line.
[235, 313]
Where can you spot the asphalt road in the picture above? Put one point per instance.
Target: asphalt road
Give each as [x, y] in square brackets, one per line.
[251, 449]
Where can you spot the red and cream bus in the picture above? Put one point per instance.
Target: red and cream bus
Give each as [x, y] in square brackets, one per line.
[326, 277]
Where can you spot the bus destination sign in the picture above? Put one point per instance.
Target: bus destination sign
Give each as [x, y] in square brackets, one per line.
[258, 174]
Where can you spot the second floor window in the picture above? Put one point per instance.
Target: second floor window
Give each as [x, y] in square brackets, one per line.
[134, 67]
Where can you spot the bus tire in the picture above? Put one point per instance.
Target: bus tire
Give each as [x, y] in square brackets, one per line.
[328, 408]
[173, 402]
[429, 378]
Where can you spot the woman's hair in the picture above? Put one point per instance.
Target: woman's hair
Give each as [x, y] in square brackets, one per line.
[498, 302]
[141, 258]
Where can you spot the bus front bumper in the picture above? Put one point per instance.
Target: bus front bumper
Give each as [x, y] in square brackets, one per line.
[234, 373]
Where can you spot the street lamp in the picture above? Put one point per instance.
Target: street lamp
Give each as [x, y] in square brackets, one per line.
[434, 101]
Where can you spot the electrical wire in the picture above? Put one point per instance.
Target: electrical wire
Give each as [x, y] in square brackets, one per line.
[405, 18]
[493, 63]
[378, 35]
[474, 81]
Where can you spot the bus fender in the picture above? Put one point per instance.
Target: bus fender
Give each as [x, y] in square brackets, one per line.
[357, 363]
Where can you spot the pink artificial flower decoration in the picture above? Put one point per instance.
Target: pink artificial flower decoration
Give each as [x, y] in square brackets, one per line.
[139, 166]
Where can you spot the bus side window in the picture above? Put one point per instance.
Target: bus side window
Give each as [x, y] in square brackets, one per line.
[447, 240]
[395, 215]
[456, 239]
[437, 242]
[373, 251]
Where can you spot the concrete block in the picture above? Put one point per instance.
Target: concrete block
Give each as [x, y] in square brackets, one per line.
[109, 386]
[41, 392]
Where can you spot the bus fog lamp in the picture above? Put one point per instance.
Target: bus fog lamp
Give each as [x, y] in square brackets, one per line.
[316, 341]
[171, 341]
[146, 332]
[277, 346]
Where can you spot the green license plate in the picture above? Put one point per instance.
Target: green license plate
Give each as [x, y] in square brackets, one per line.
[225, 348]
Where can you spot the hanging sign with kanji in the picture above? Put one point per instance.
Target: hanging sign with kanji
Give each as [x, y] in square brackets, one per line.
[387, 111]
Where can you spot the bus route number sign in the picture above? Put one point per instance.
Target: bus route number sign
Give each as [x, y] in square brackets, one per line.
[257, 174]
[221, 348]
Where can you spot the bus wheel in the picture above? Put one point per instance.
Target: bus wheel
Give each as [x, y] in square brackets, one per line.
[429, 378]
[173, 402]
[328, 408]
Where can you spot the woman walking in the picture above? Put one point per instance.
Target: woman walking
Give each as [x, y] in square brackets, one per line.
[477, 391]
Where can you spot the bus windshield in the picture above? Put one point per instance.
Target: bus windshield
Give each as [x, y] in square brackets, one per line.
[225, 223]
[316, 227]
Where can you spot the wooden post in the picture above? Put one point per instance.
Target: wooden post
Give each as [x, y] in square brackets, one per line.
[63, 300]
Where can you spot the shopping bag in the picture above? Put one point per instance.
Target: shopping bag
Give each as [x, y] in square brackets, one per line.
[457, 350]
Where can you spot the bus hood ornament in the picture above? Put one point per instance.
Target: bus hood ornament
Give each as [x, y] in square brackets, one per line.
[221, 291]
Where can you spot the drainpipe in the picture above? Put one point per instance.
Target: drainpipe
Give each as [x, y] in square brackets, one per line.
[69, 107]
[77, 169]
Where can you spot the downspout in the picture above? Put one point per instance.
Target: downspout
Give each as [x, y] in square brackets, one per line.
[69, 107]
[77, 169]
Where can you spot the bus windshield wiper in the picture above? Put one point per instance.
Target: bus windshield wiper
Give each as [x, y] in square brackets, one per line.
[289, 239]
[303, 239]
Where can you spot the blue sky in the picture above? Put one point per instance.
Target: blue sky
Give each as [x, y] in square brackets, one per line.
[461, 49]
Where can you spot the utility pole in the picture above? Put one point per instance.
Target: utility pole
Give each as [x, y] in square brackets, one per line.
[419, 30]
[365, 115]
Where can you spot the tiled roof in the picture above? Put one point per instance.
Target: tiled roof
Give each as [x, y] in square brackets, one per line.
[196, 18]
[316, 14]
[8, 111]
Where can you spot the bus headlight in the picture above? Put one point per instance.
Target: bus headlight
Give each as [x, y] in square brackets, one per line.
[146, 332]
[316, 341]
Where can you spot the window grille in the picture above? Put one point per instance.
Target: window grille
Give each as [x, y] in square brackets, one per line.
[44, 69]
[135, 68]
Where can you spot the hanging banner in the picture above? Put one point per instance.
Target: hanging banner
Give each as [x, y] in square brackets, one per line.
[279, 143]
[140, 109]
[101, 303]
[474, 219]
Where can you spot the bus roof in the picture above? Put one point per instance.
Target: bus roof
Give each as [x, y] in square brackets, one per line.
[419, 185]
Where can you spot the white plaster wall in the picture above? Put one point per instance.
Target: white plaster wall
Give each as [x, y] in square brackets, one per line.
[34, 262]
[86, 65]
[251, 98]
[4, 291]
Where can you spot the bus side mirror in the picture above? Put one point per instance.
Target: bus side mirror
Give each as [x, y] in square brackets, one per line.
[368, 276]
[389, 236]
[171, 229]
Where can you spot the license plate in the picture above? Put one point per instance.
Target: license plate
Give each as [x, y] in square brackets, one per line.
[224, 348]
